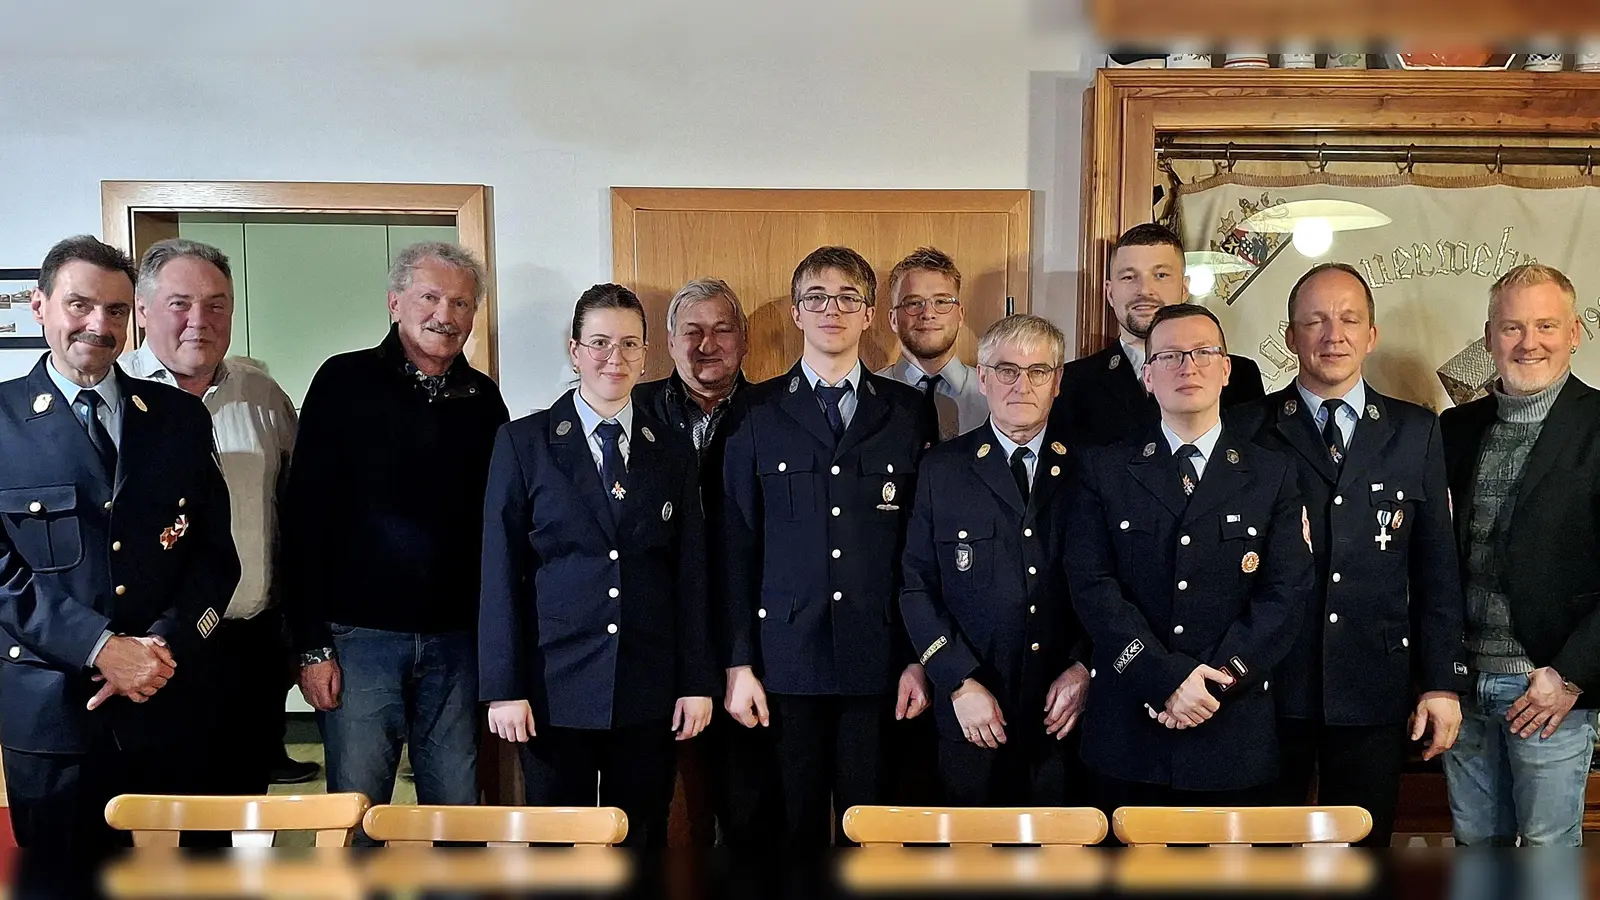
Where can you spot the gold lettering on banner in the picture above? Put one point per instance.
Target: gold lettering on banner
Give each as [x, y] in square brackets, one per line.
[1444, 257]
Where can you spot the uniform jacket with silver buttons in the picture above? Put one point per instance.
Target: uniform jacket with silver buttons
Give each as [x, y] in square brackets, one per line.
[985, 593]
[147, 551]
[1384, 621]
[1164, 583]
[808, 536]
[599, 622]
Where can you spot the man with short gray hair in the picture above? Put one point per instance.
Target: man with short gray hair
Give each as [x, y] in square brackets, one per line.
[1524, 470]
[383, 529]
[985, 597]
[184, 304]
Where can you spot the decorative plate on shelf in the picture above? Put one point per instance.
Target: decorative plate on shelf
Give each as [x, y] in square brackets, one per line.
[1456, 59]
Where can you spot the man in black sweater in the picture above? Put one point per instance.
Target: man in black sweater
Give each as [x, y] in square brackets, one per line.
[382, 532]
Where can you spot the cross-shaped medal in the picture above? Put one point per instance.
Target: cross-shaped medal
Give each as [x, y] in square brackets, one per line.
[1383, 537]
[618, 491]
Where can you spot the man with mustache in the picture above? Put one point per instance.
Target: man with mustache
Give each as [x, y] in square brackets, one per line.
[1524, 470]
[1379, 660]
[927, 315]
[184, 303]
[116, 562]
[1103, 398]
[382, 533]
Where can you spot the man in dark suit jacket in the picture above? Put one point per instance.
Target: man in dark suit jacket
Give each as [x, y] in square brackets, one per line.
[1190, 567]
[1103, 399]
[116, 563]
[985, 596]
[1382, 639]
[817, 483]
[1524, 470]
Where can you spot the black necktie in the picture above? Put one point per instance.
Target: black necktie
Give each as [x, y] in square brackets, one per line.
[1019, 471]
[830, 397]
[86, 406]
[930, 404]
[1188, 475]
[613, 473]
[1332, 437]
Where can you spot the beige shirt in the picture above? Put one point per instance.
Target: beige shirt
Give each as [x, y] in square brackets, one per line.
[254, 423]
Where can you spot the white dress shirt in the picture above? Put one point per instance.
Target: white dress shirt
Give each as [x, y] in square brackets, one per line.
[1008, 446]
[1205, 443]
[847, 403]
[1355, 400]
[109, 412]
[966, 408]
[590, 420]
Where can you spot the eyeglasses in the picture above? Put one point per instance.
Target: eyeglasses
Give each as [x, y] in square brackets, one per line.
[941, 305]
[845, 303]
[600, 349]
[1172, 360]
[1038, 376]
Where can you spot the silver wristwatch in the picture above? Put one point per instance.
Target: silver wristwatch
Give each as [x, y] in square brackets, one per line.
[319, 655]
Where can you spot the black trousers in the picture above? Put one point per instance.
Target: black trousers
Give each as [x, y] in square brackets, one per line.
[741, 766]
[1352, 765]
[634, 765]
[1030, 772]
[58, 800]
[245, 708]
[829, 759]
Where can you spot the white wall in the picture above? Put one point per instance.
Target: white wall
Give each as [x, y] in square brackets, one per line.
[551, 102]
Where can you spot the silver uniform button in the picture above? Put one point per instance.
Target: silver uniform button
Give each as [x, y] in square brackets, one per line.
[890, 468]
[1124, 525]
[1032, 570]
[1177, 629]
[1251, 531]
[834, 470]
[614, 554]
[761, 613]
[1333, 618]
[836, 510]
[15, 652]
[783, 467]
[1184, 540]
[1091, 673]
[962, 535]
[1036, 648]
[838, 595]
[1338, 501]
[614, 592]
[1031, 610]
[1405, 642]
[1183, 585]
[1027, 532]
[836, 554]
[1399, 495]
[36, 506]
[1336, 577]
[611, 629]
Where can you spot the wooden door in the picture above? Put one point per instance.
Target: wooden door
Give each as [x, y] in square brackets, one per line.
[753, 239]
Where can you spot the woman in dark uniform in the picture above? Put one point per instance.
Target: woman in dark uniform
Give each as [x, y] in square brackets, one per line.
[593, 631]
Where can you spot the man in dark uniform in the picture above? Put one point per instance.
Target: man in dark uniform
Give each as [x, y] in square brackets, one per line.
[1190, 566]
[1103, 397]
[116, 563]
[817, 483]
[1384, 624]
[985, 596]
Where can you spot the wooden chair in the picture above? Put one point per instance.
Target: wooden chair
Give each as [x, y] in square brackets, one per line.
[1295, 825]
[497, 826]
[156, 820]
[895, 825]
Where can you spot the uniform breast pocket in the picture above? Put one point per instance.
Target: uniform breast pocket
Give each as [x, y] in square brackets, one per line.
[1242, 537]
[788, 487]
[966, 553]
[885, 484]
[43, 523]
[1394, 511]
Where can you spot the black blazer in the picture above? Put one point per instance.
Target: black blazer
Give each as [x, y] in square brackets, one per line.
[1552, 565]
[1398, 600]
[597, 622]
[150, 552]
[1163, 583]
[808, 536]
[985, 593]
[1102, 402]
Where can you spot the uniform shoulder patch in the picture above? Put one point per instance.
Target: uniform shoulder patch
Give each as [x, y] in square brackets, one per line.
[1128, 653]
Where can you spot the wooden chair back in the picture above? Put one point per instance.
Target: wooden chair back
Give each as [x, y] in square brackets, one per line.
[1295, 825]
[156, 820]
[496, 826]
[900, 825]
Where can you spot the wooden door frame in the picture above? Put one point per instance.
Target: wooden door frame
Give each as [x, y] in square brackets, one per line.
[1016, 205]
[1127, 110]
[470, 204]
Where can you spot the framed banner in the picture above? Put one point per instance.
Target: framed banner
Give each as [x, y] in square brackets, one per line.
[18, 329]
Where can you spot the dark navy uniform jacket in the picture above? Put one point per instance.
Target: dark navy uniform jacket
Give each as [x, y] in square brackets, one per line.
[1102, 401]
[1164, 583]
[985, 593]
[1384, 621]
[809, 536]
[149, 551]
[598, 623]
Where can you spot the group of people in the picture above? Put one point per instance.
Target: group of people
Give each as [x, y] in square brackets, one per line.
[1131, 579]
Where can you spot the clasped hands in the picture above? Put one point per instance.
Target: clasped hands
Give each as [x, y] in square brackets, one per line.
[132, 667]
[1192, 704]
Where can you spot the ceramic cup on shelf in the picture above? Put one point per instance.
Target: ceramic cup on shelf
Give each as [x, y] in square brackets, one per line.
[1346, 61]
[1246, 60]
[1297, 58]
[1543, 62]
[1188, 60]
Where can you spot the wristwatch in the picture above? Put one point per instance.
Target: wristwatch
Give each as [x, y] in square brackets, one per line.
[319, 655]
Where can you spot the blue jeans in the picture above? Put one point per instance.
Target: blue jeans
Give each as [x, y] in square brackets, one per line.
[1503, 786]
[420, 689]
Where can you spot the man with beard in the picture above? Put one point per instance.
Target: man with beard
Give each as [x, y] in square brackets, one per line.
[1379, 652]
[116, 562]
[925, 290]
[1103, 398]
[1524, 468]
[383, 530]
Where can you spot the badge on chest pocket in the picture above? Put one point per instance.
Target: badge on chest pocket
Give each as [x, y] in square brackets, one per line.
[963, 557]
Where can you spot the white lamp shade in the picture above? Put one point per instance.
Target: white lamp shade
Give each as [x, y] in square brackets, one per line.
[1218, 263]
[1341, 215]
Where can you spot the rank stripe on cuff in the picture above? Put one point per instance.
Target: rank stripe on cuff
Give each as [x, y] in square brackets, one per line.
[933, 648]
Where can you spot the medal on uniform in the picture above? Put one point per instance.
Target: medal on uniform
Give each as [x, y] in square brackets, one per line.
[1290, 407]
[1058, 448]
[1233, 457]
[1383, 537]
[1188, 486]
[888, 504]
[42, 403]
[666, 511]
[1372, 410]
[562, 428]
[645, 430]
[983, 451]
[618, 491]
[1149, 449]
[1250, 563]
[794, 384]
[1399, 516]
[139, 403]
[170, 534]
[1116, 360]
[963, 557]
